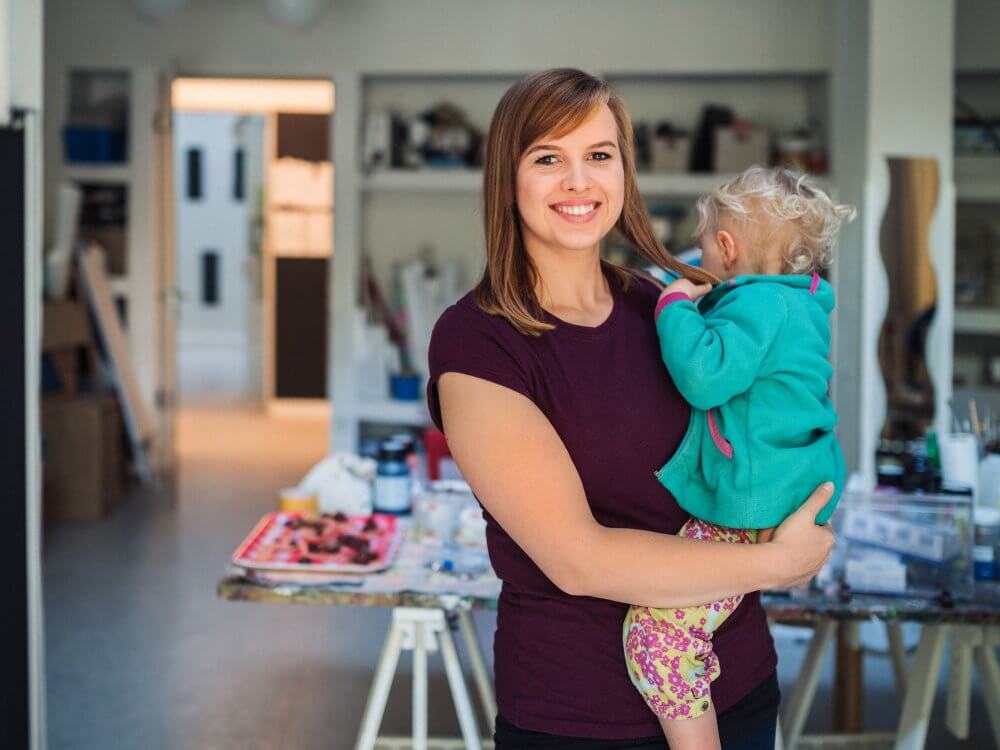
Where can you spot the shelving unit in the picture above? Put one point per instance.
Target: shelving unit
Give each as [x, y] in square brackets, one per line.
[137, 291]
[390, 213]
[977, 189]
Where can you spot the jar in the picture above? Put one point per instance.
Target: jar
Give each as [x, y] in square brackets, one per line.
[987, 540]
[392, 480]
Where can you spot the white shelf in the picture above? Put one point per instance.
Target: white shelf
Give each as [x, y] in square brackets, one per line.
[97, 172]
[417, 180]
[984, 321]
[978, 190]
[679, 185]
[977, 178]
[410, 413]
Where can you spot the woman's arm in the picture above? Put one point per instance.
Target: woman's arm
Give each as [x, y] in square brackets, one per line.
[520, 470]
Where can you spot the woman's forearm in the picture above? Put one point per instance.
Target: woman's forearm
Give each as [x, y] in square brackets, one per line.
[659, 570]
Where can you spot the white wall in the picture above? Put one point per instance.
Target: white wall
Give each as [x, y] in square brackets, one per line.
[20, 54]
[214, 341]
[236, 36]
[21, 45]
[898, 79]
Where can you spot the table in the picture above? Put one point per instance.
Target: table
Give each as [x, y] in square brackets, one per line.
[975, 631]
[423, 622]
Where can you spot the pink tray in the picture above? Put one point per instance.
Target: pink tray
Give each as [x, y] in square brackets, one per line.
[309, 544]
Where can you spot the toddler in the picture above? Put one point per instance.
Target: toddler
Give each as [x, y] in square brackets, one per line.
[752, 359]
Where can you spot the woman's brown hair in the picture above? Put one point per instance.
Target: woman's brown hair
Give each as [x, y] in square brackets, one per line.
[551, 103]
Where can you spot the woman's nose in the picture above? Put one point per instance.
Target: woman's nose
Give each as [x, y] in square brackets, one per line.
[576, 177]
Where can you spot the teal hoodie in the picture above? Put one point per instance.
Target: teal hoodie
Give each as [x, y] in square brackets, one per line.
[753, 361]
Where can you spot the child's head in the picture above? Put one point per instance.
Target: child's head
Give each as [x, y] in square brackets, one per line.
[768, 221]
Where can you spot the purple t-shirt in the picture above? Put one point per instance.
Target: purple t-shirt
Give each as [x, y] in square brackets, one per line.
[558, 659]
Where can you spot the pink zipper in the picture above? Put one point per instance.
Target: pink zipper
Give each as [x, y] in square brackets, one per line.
[724, 446]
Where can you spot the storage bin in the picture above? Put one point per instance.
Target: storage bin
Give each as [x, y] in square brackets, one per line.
[904, 544]
[740, 147]
[93, 144]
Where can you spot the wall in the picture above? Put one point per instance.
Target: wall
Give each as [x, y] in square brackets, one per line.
[976, 25]
[899, 79]
[235, 36]
[21, 45]
[20, 54]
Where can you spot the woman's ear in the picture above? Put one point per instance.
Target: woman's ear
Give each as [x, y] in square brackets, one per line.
[727, 244]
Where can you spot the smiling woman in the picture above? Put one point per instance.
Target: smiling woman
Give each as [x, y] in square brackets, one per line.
[548, 383]
[563, 140]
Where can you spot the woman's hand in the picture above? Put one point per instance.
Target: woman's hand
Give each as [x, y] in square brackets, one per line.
[800, 545]
[692, 290]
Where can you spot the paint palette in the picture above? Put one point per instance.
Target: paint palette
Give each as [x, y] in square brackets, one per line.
[320, 543]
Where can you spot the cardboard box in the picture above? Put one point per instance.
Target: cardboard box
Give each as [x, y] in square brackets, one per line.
[737, 149]
[81, 458]
[64, 325]
[66, 330]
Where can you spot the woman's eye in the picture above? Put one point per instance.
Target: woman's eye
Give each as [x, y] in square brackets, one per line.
[601, 156]
[543, 160]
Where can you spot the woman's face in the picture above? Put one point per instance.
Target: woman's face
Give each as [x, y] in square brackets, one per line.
[570, 190]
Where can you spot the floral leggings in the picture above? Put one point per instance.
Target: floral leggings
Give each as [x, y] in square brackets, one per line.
[669, 651]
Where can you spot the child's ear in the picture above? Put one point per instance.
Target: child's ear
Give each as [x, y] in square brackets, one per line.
[727, 243]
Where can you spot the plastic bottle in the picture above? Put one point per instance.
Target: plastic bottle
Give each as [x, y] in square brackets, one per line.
[392, 480]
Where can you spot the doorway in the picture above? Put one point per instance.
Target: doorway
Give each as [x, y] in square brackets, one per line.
[253, 213]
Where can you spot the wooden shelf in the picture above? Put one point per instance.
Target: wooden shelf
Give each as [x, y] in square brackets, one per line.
[97, 172]
[388, 411]
[981, 321]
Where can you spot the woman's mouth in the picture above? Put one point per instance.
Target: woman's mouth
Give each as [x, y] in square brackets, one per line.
[577, 212]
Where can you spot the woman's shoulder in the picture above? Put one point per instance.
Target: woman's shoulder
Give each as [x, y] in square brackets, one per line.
[465, 318]
[466, 332]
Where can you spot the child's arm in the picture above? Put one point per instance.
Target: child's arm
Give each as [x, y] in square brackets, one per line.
[711, 360]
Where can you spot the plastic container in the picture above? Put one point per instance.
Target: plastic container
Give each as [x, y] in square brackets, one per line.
[987, 542]
[989, 480]
[93, 144]
[392, 480]
[294, 500]
[915, 545]
[404, 387]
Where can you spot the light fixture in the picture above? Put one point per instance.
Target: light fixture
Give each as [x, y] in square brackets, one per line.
[296, 13]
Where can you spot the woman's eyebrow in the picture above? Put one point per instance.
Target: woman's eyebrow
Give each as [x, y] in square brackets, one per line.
[550, 147]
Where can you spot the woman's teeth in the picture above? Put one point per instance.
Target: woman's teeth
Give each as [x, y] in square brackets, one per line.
[576, 210]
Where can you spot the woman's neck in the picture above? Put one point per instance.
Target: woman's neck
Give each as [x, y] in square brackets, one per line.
[572, 286]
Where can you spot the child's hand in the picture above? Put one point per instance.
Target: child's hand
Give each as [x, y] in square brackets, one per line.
[684, 286]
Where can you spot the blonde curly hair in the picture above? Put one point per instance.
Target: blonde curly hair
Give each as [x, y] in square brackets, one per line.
[778, 206]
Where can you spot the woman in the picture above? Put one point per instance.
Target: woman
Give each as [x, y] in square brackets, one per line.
[548, 383]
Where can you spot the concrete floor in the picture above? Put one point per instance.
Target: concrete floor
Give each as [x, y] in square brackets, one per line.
[141, 654]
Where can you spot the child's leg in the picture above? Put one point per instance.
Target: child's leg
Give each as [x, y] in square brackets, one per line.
[669, 652]
[699, 733]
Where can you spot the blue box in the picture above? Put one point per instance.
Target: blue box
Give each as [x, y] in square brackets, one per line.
[93, 144]
[405, 387]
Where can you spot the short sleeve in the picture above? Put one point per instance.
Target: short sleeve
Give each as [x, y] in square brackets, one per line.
[468, 341]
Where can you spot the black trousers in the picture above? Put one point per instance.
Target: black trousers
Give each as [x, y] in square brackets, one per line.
[750, 724]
